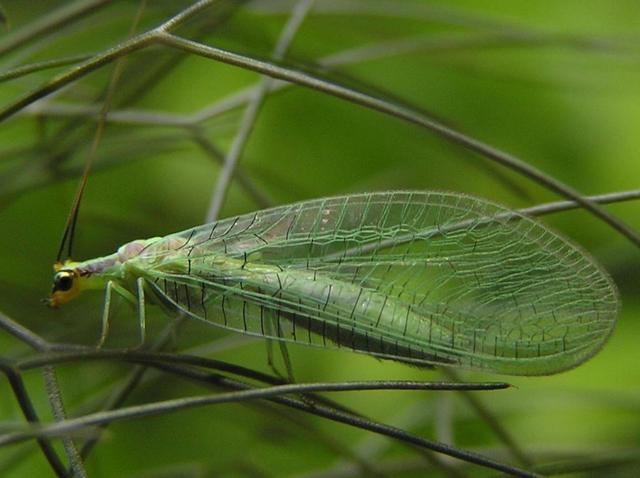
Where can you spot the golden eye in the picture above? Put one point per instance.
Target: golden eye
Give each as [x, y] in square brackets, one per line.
[63, 281]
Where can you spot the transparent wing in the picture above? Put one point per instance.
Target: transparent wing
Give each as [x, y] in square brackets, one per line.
[418, 276]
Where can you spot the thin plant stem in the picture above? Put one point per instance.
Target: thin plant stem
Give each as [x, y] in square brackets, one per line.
[119, 397]
[178, 19]
[52, 388]
[243, 179]
[247, 393]
[457, 17]
[487, 416]
[79, 71]
[373, 446]
[29, 412]
[161, 34]
[54, 394]
[406, 114]
[443, 423]
[22, 333]
[40, 66]
[51, 22]
[359, 54]
[560, 206]
[593, 466]
[253, 108]
[129, 46]
[60, 355]
[152, 359]
[433, 231]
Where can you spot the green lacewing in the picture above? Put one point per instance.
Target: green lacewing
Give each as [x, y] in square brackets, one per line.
[422, 277]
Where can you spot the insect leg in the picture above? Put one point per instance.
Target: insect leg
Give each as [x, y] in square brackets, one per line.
[269, 344]
[270, 361]
[141, 310]
[287, 361]
[121, 291]
[106, 321]
[105, 315]
[268, 324]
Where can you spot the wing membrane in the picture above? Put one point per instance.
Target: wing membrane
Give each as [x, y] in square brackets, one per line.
[419, 276]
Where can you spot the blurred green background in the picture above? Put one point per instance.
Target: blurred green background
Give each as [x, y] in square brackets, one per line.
[554, 83]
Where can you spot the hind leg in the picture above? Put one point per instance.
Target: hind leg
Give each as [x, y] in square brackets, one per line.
[269, 323]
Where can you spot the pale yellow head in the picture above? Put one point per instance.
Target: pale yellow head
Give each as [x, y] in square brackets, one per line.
[66, 284]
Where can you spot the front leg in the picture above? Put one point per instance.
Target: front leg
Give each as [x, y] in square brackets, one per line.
[106, 319]
[105, 315]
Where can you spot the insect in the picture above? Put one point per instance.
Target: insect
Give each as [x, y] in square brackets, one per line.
[421, 277]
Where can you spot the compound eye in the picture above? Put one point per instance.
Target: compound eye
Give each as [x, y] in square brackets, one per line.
[63, 281]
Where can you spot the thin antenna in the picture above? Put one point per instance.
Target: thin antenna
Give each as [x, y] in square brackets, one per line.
[72, 219]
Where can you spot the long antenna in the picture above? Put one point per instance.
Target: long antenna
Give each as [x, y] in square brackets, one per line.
[72, 219]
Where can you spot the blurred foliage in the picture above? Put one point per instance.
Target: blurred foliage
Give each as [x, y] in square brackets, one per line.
[554, 83]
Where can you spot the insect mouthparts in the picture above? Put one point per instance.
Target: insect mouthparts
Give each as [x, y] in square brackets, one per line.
[48, 302]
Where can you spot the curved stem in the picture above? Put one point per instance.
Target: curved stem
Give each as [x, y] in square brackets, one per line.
[404, 113]
[29, 412]
[51, 22]
[246, 393]
[252, 111]
[57, 406]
